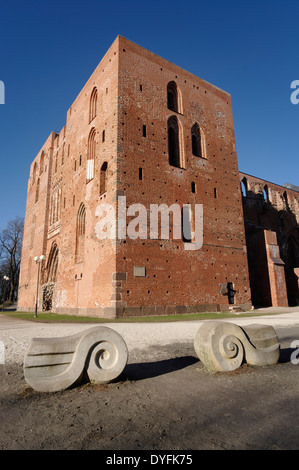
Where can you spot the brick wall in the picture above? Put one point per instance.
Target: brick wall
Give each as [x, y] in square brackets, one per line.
[127, 277]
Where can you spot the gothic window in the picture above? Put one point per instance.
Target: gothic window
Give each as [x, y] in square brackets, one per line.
[174, 142]
[174, 98]
[186, 224]
[266, 194]
[80, 233]
[103, 178]
[244, 188]
[52, 264]
[286, 201]
[37, 191]
[42, 162]
[196, 136]
[34, 173]
[91, 151]
[93, 104]
[55, 205]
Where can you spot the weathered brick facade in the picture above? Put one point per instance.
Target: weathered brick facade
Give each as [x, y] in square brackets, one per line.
[271, 214]
[148, 131]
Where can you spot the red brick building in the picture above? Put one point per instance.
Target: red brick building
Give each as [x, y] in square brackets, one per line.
[142, 131]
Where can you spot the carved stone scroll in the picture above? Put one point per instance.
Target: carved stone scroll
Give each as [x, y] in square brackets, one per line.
[54, 364]
[223, 346]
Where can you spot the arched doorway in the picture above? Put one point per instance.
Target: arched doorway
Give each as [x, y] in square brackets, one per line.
[48, 289]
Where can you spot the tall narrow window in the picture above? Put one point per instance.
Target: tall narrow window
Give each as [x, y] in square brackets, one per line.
[140, 174]
[34, 173]
[173, 98]
[37, 191]
[266, 194]
[196, 140]
[103, 178]
[174, 150]
[244, 188]
[91, 151]
[193, 187]
[186, 224]
[286, 201]
[144, 130]
[93, 104]
[80, 233]
[42, 162]
[55, 205]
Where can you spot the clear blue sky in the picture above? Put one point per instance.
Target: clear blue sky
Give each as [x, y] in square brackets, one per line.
[48, 50]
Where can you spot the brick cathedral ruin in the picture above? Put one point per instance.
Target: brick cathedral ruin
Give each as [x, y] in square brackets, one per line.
[148, 130]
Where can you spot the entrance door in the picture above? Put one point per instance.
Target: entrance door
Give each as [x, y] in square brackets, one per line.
[230, 293]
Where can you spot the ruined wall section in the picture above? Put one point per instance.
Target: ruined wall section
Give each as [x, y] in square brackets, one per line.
[271, 207]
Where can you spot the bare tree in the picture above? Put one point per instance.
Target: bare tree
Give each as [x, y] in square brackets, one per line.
[10, 254]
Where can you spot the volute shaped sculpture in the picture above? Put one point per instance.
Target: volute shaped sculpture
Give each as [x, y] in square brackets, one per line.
[54, 364]
[223, 346]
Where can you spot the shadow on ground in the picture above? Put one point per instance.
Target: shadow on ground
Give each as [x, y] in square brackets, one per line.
[148, 370]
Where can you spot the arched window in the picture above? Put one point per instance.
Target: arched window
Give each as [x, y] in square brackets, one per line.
[174, 101]
[286, 201]
[55, 205]
[103, 178]
[186, 224]
[37, 191]
[42, 162]
[244, 187]
[80, 233]
[93, 104]
[174, 142]
[197, 141]
[52, 265]
[34, 173]
[91, 151]
[266, 194]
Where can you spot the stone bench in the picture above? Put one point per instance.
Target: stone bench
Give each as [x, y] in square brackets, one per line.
[223, 346]
[54, 364]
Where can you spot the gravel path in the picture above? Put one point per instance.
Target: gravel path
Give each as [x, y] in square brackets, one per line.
[16, 334]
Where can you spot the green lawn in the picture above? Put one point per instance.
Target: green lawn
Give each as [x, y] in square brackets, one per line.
[55, 318]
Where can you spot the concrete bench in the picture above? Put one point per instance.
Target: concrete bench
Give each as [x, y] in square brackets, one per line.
[54, 364]
[224, 346]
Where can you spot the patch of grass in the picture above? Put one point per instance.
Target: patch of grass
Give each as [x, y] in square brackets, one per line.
[59, 318]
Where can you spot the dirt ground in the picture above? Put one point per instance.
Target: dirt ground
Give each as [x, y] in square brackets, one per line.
[165, 399]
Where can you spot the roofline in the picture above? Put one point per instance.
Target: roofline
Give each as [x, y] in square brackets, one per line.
[271, 182]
